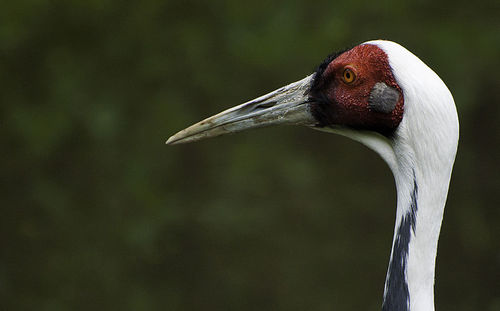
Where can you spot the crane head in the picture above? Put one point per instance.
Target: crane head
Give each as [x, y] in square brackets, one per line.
[355, 91]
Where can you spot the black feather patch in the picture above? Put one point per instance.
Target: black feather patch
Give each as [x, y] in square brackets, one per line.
[383, 98]
[397, 296]
[322, 111]
[318, 81]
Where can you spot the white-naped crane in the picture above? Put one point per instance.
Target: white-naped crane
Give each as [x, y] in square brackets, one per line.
[385, 97]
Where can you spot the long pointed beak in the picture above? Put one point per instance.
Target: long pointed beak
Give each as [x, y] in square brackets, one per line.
[287, 105]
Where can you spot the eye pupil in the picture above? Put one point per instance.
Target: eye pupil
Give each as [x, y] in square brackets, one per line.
[348, 76]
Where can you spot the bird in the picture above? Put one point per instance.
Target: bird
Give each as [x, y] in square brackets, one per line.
[383, 96]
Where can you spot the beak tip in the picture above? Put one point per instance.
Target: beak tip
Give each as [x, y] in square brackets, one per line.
[170, 141]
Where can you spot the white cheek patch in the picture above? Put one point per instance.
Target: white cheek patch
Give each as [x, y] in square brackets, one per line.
[383, 98]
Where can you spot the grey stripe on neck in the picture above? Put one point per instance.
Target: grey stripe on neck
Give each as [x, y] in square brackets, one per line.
[397, 296]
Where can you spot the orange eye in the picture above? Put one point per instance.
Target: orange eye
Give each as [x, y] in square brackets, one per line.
[348, 76]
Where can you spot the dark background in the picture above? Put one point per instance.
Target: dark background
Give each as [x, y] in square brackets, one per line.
[98, 214]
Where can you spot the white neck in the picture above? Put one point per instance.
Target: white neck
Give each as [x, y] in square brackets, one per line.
[422, 174]
[422, 191]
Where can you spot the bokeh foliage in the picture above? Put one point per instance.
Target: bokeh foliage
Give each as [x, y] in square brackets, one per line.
[97, 213]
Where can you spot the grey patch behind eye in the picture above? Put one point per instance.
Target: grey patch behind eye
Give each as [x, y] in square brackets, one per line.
[383, 98]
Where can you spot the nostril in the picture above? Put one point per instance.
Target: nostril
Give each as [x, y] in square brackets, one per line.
[265, 105]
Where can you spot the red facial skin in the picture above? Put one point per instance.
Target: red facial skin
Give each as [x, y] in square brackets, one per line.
[349, 101]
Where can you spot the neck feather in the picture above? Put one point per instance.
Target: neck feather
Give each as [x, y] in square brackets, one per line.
[422, 174]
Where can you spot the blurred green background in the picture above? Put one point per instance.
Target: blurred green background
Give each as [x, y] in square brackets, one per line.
[98, 214]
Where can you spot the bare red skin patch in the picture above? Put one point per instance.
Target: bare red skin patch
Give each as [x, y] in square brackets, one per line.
[348, 102]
